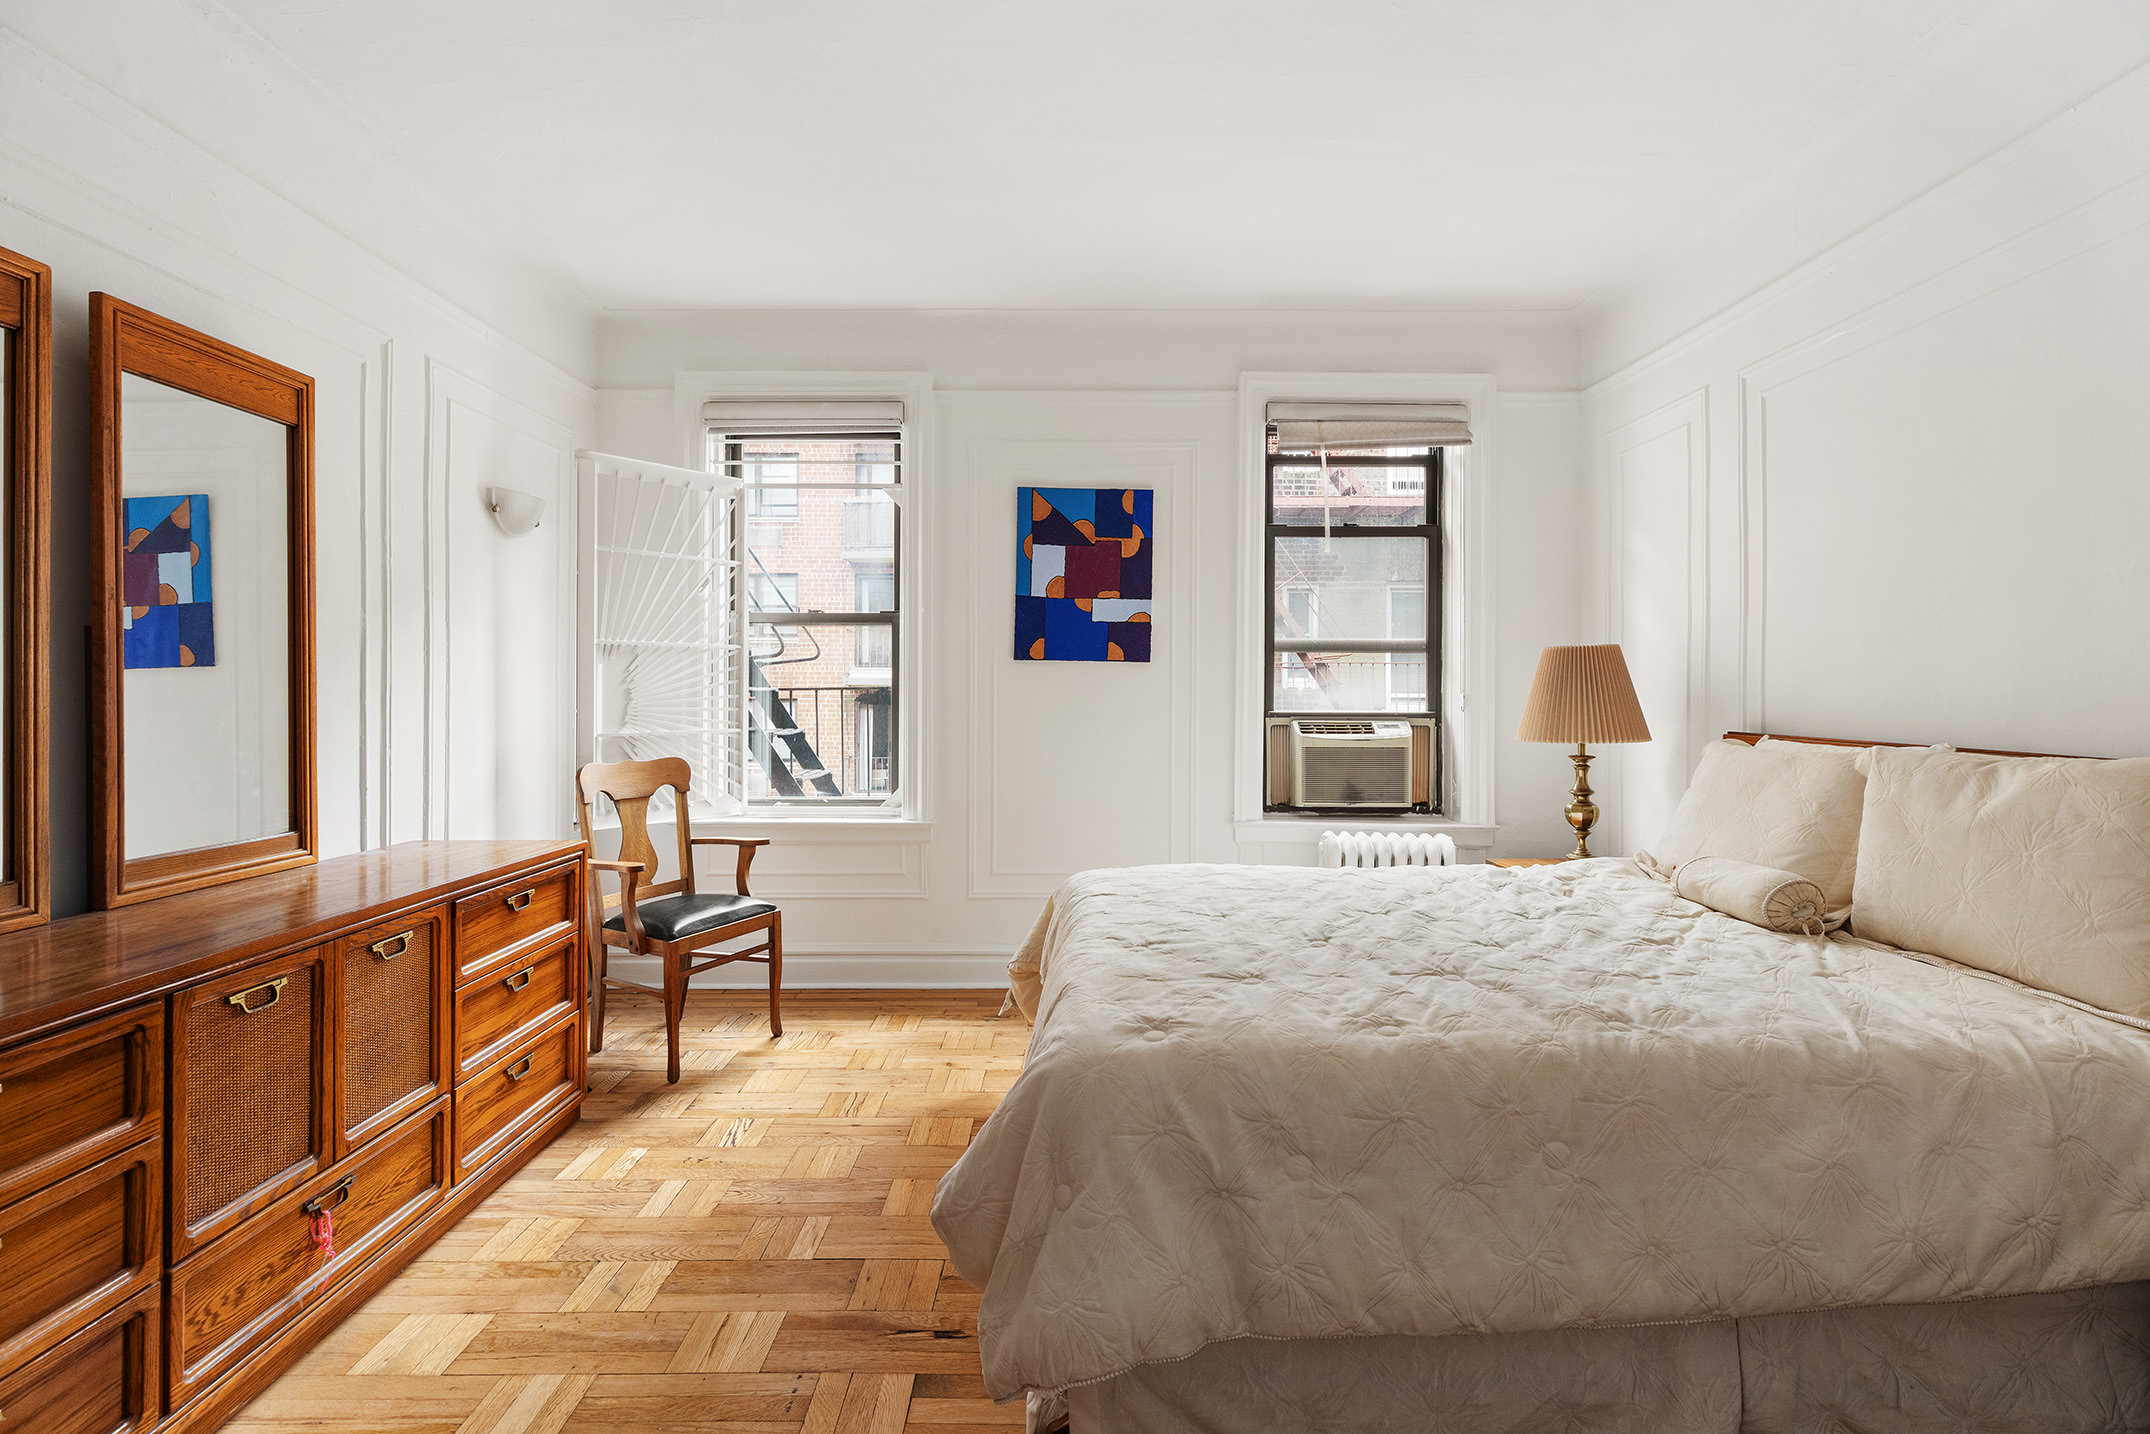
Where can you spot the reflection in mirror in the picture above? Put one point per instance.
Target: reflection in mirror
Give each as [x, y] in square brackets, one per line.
[204, 622]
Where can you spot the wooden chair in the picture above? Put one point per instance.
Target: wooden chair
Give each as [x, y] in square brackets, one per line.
[669, 920]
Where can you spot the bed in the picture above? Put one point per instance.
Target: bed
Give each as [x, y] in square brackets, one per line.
[1480, 1149]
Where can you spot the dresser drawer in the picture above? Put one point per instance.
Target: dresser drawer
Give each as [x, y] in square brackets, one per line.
[102, 1381]
[73, 1249]
[391, 1024]
[513, 1001]
[249, 1095]
[508, 1098]
[69, 1099]
[250, 1284]
[498, 920]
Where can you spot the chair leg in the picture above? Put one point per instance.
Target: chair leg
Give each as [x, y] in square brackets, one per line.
[675, 1001]
[776, 975]
[597, 999]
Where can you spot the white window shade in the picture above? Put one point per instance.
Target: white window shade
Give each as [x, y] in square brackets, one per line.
[802, 415]
[1307, 427]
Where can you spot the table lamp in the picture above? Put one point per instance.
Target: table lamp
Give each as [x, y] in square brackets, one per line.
[1583, 695]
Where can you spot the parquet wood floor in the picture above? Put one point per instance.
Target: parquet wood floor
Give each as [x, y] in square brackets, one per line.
[747, 1251]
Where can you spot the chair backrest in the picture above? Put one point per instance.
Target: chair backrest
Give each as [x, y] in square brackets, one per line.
[629, 786]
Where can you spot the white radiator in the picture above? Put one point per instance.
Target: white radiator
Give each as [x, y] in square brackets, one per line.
[1386, 849]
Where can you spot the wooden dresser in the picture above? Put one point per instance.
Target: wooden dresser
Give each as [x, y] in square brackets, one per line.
[196, 1091]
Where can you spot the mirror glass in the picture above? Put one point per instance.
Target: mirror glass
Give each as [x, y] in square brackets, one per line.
[205, 627]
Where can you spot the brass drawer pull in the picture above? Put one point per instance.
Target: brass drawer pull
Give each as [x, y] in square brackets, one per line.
[520, 979]
[401, 943]
[521, 899]
[274, 988]
[520, 1069]
[339, 1192]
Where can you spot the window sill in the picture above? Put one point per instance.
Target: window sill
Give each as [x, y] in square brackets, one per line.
[1277, 828]
[806, 826]
[819, 827]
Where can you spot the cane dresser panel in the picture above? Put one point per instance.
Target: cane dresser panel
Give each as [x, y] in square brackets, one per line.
[392, 1023]
[69, 1098]
[240, 1291]
[160, 1142]
[502, 920]
[70, 1250]
[512, 1002]
[102, 1381]
[248, 1102]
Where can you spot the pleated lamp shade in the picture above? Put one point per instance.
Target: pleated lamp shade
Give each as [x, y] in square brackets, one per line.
[1583, 694]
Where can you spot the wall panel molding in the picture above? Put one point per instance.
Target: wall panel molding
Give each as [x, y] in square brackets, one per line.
[448, 392]
[997, 468]
[1684, 425]
[2057, 241]
[2032, 160]
[288, 228]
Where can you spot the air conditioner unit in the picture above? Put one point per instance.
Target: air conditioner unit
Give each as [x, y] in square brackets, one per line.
[1351, 764]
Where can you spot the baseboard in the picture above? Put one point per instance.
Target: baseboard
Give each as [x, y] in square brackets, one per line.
[901, 968]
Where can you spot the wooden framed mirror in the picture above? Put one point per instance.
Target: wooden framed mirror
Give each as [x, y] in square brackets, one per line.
[202, 647]
[25, 574]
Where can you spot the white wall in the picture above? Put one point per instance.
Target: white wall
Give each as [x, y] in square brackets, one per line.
[1037, 770]
[1899, 491]
[426, 727]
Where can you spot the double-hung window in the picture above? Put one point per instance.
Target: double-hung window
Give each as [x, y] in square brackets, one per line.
[747, 613]
[818, 540]
[1354, 557]
[1352, 553]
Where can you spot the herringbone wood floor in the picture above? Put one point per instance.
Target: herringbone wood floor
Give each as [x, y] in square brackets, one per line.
[745, 1251]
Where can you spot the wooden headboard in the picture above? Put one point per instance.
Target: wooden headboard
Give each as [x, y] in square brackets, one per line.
[1750, 738]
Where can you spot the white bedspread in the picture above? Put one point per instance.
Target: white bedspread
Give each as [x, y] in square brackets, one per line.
[1296, 1103]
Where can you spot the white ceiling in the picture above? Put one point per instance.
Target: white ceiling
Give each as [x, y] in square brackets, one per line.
[1123, 153]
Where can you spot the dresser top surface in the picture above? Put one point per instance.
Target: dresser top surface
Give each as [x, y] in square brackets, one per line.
[88, 963]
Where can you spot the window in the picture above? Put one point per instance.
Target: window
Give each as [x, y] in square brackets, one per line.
[1360, 507]
[772, 490]
[825, 591]
[1352, 552]
[773, 592]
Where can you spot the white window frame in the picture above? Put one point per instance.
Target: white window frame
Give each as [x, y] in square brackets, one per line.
[909, 806]
[1468, 750]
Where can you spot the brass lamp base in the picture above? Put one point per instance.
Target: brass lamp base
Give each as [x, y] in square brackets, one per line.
[1582, 812]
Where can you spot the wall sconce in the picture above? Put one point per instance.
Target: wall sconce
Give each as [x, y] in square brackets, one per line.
[516, 513]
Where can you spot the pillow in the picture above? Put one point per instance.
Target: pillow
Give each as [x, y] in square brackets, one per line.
[1757, 895]
[1791, 806]
[2035, 868]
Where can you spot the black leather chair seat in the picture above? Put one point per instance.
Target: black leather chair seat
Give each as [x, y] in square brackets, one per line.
[675, 918]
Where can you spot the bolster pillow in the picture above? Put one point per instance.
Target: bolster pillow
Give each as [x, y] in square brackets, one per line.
[1759, 895]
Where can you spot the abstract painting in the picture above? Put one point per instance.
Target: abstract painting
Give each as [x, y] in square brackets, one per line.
[165, 614]
[1082, 574]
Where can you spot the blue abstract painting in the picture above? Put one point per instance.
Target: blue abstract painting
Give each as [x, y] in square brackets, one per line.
[167, 613]
[1083, 574]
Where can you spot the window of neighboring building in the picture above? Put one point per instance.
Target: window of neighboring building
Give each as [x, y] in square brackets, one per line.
[825, 588]
[772, 490]
[773, 592]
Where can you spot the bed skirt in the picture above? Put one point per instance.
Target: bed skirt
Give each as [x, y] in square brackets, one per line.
[2076, 1362]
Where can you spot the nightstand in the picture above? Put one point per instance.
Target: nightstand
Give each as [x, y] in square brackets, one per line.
[1513, 861]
